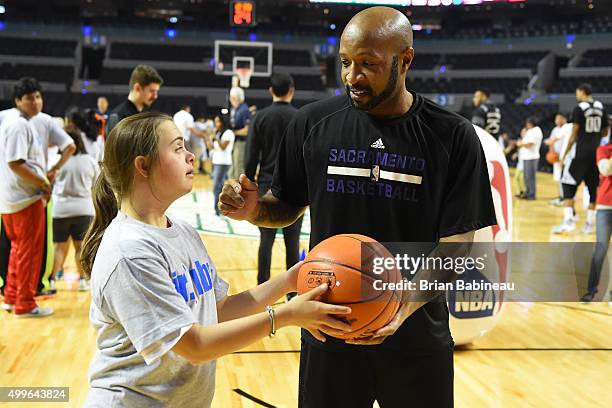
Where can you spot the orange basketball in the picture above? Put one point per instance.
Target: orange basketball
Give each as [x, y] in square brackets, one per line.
[552, 157]
[345, 264]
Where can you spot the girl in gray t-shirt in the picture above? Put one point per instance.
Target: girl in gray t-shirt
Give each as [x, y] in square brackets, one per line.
[161, 310]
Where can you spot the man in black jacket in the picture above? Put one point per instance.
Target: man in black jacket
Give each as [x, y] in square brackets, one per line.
[265, 134]
[145, 82]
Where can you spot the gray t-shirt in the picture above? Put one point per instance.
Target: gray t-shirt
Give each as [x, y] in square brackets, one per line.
[72, 188]
[150, 285]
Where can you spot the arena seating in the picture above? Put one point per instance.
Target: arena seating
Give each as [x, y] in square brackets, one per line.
[510, 87]
[600, 84]
[596, 58]
[61, 74]
[37, 47]
[505, 60]
[160, 52]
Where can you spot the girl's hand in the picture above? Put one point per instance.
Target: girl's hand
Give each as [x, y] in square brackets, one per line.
[316, 317]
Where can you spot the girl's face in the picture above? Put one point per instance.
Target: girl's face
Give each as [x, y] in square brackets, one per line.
[173, 173]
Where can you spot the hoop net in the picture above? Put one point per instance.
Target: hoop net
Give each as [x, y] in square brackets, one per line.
[244, 76]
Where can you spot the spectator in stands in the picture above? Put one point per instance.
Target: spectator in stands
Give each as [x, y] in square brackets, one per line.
[221, 146]
[24, 191]
[557, 141]
[486, 115]
[194, 138]
[86, 124]
[604, 220]
[590, 123]
[239, 121]
[265, 134]
[101, 115]
[145, 83]
[73, 208]
[530, 155]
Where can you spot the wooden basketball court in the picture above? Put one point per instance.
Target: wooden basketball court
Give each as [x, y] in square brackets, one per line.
[538, 355]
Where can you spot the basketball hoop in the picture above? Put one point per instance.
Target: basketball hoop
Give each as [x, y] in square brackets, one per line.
[244, 75]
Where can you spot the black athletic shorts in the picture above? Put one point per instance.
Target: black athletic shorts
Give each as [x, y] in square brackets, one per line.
[74, 227]
[356, 378]
[581, 171]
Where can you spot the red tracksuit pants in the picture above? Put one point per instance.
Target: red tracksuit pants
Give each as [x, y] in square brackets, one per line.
[26, 231]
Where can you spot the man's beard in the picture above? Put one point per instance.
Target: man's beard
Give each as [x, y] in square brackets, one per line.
[384, 95]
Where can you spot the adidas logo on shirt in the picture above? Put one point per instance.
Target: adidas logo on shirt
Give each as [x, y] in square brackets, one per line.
[378, 144]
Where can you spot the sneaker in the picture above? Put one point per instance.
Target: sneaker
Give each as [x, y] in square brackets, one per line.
[36, 312]
[557, 202]
[83, 285]
[7, 307]
[52, 285]
[587, 297]
[46, 292]
[565, 226]
[588, 228]
[59, 275]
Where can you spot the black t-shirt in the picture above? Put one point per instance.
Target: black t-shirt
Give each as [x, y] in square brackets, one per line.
[592, 119]
[121, 111]
[414, 178]
[265, 134]
[488, 116]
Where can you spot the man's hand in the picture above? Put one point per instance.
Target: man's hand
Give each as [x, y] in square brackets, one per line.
[51, 174]
[405, 310]
[238, 199]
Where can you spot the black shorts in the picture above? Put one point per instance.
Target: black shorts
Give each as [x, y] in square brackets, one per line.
[582, 170]
[356, 378]
[75, 227]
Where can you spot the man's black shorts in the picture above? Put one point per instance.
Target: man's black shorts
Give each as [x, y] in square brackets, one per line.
[355, 379]
[581, 170]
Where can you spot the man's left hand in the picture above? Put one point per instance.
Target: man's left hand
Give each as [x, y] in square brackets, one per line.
[381, 334]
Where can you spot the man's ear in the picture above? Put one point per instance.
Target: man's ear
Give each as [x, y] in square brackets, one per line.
[142, 166]
[407, 58]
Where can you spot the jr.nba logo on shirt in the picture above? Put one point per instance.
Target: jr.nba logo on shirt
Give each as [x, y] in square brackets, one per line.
[200, 278]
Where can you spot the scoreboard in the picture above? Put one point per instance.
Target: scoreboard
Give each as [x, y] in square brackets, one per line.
[242, 13]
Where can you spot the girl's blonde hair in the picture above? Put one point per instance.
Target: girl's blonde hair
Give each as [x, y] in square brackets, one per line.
[134, 136]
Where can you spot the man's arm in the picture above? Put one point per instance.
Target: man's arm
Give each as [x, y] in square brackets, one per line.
[66, 154]
[25, 172]
[572, 140]
[239, 200]
[242, 132]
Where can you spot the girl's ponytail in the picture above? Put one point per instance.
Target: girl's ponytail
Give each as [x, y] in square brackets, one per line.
[106, 206]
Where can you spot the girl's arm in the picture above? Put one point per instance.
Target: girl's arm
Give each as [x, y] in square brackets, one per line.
[256, 299]
[201, 344]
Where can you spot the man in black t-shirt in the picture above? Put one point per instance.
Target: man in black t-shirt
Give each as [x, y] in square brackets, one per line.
[384, 162]
[486, 115]
[589, 125]
[265, 134]
[145, 83]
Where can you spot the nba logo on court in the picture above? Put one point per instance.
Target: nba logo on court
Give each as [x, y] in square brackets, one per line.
[471, 303]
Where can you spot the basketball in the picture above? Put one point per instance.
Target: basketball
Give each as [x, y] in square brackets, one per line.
[342, 262]
[552, 157]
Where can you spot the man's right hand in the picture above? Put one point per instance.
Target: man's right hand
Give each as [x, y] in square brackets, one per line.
[238, 199]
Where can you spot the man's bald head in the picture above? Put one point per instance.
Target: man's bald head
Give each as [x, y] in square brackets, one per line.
[380, 24]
